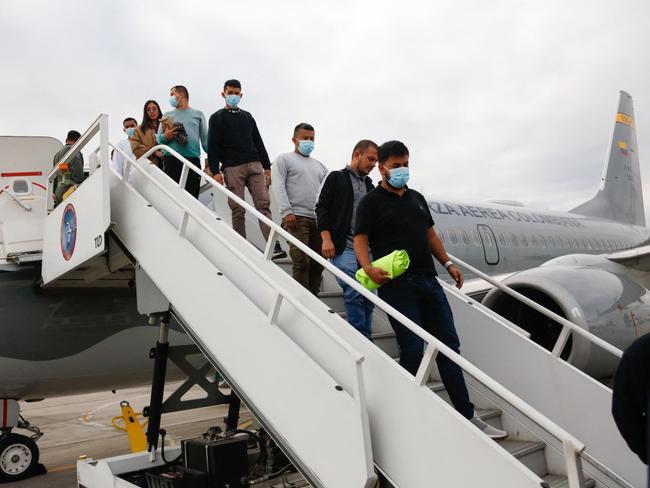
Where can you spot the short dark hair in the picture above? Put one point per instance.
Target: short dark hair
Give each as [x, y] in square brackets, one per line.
[233, 83]
[302, 126]
[182, 90]
[391, 148]
[129, 118]
[363, 145]
[73, 135]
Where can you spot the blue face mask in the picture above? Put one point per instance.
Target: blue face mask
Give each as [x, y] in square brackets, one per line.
[305, 147]
[398, 177]
[130, 131]
[173, 102]
[233, 100]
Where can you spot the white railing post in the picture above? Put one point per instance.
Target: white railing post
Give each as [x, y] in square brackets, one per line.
[573, 465]
[270, 245]
[275, 308]
[104, 155]
[183, 179]
[426, 365]
[561, 341]
[183, 226]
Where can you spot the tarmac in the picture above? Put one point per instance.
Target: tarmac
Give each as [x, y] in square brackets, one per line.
[81, 425]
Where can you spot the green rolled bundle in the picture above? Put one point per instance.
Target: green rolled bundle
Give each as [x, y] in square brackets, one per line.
[394, 264]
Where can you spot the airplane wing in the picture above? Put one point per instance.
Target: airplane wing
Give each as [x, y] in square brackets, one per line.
[637, 258]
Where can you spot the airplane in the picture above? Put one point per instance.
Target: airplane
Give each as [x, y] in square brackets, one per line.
[79, 335]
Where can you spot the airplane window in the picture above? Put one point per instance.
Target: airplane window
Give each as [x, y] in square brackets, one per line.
[562, 242]
[611, 245]
[476, 238]
[20, 187]
[452, 237]
[603, 246]
[549, 242]
[533, 241]
[502, 239]
[513, 238]
[441, 235]
[542, 242]
[594, 244]
[524, 241]
[465, 237]
[575, 243]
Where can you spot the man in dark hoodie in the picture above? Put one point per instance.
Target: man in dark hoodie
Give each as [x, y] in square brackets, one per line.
[631, 397]
[336, 211]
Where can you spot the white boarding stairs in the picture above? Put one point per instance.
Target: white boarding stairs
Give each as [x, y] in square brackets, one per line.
[335, 402]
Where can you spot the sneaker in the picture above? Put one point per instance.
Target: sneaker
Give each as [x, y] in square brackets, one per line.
[278, 252]
[488, 430]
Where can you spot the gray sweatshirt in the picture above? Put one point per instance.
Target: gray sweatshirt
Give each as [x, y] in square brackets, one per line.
[296, 181]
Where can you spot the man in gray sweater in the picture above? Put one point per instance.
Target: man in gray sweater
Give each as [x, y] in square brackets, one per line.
[296, 179]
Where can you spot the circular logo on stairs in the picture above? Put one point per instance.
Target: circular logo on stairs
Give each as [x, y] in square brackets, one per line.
[68, 231]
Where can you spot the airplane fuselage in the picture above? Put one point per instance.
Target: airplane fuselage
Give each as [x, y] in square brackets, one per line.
[498, 238]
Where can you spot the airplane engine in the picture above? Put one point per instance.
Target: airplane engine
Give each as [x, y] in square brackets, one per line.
[605, 302]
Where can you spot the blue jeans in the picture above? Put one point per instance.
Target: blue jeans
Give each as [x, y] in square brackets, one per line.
[422, 299]
[358, 309]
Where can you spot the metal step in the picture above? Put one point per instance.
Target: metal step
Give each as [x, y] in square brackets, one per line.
[559, 481]
[530, 454]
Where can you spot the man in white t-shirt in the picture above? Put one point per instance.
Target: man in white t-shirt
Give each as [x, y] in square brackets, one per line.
[117, 160]
[296, 179]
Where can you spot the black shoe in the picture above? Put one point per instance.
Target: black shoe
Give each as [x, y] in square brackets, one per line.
[278, 252]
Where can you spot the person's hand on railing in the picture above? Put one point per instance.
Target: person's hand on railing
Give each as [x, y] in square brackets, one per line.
[377, 275]
[267, 175]
[289, 222]
[328, 250]
[218, 177]
[457, 275]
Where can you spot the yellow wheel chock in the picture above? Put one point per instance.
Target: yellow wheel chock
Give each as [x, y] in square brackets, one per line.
[132, 427]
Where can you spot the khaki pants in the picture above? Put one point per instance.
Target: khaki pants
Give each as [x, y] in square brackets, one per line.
[306, 271]
[251, 176]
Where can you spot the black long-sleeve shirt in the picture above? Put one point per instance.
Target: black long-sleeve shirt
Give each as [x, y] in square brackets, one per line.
[631, 396]
[233, 139]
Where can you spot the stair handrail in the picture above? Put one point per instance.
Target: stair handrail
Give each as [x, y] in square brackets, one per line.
[567, 326]
[572, 447]
[357, 394]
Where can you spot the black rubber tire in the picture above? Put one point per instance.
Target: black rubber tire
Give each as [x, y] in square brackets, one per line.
[23, 447]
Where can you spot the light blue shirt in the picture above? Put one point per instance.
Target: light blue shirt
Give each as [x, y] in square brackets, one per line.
[197, 132]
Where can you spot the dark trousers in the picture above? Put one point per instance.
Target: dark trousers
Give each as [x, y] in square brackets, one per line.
[422, 299]
[173, 168]
[306, 271]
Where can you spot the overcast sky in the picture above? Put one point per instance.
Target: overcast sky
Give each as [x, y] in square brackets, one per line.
[498, 99]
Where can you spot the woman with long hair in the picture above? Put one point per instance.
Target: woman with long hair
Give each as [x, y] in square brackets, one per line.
[144, 137]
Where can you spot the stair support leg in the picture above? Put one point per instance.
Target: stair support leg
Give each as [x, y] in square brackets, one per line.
[158, 386]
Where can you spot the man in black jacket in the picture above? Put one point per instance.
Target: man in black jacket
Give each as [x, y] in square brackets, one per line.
[631, 397]
[335, 212]
[235, 147]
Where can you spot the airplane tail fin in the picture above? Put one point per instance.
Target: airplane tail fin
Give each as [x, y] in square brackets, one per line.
[620, 196]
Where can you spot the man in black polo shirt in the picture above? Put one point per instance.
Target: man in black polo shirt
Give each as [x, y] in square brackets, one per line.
[235, 147]
[394, 217]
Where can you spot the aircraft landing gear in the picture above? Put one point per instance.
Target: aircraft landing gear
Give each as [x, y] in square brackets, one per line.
[18, 453]
[18, 457]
